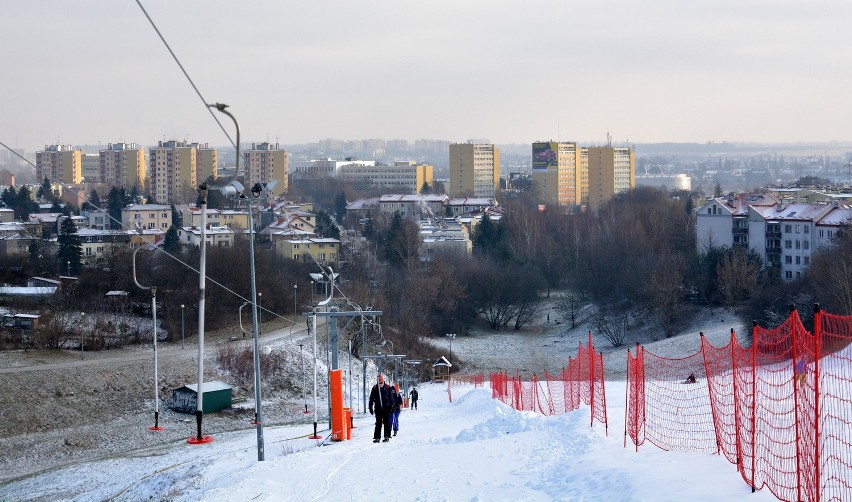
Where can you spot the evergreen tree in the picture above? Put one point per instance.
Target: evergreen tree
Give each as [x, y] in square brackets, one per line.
[118, 200]
[24, 205]
[369, 231]
[326, 227]
[10, 197]
[70, 250]
[489, 239]
[177, 217]
[94, 202]
[45, 191]
[340, 207]
[171, 243]
[425, 189]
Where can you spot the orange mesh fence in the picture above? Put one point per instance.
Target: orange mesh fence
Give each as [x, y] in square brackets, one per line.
[582, 381]
[834, 427]
[780, 410]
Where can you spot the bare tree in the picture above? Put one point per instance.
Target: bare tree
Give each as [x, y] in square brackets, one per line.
[571, 307]
[737, 276]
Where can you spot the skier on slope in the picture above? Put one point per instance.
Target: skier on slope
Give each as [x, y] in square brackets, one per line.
[381, 402]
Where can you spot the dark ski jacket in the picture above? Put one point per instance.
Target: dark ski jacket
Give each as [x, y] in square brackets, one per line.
[413, 395]
[381, 400]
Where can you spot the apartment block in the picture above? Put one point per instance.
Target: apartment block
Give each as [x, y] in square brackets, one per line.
[611, 170]
[784, 235]
[556, 173]
[173, 172]
[207, 161]
[122, 165]
[59, 164]
[474, 169]
[265, 163]
[91, 167]
[403, 177]
[146, 216]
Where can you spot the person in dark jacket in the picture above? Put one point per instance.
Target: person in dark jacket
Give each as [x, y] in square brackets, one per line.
[413, 395]
[397, 407]
[381, 403]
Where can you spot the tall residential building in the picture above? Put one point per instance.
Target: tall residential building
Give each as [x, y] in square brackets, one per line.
[59, 164]
[173, 170]
[123, 165]
[556, 173]
[611, 170]
[207, 160]
[404, 176]
[474, 169]
[91, 167]
[264, 163]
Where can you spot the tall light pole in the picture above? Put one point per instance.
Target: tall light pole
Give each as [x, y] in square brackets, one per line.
[255, 191]
[153, 289]
[202, 274]
[304, 378]
[295, 297]
[312, 292]
[82, 330]
[181, 325]
[451, 336]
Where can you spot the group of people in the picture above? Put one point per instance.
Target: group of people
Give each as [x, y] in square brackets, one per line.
[385, 404]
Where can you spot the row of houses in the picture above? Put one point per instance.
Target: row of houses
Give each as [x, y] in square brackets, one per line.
[784, 234]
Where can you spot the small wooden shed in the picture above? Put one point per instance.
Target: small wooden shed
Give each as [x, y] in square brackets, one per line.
[441, 370]
[217, 396]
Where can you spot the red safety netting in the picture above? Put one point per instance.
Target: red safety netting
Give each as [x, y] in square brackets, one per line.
[781, 410]
[581, 382]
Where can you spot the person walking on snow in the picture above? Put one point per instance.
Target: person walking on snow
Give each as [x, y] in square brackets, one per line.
[397, 407]
[381, 402]
[413, 396]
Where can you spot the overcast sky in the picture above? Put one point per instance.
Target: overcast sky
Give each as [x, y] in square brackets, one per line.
[83, 72]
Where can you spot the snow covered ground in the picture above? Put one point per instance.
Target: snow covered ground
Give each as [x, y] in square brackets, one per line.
[473, 448]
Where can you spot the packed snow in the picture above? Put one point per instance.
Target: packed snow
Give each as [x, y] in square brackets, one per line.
[473, 448]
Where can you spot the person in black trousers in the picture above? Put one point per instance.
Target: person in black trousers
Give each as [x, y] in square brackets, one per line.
[413, 395]
[381, 403]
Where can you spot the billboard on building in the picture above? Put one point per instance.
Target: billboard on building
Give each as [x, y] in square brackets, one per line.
[545, 155]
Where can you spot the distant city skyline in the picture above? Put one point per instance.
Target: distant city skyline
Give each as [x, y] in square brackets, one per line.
[85, 72]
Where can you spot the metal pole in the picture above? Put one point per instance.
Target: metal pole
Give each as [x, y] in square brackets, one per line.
[295, 297]
[82, 330]
[304, 378]
[202, 275]
[316, 362]
[181, 326]
[258, 410]
[156, 426]
[153, 289]
[312, 292]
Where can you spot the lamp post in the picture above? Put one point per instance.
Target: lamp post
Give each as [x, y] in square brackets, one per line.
[451, 336]
[259, 313]
[312, 292]
[82, 330]
[181, 325]
[295, 297]
[153, 289]
[69, 268]
[304, 378]
[202, 274]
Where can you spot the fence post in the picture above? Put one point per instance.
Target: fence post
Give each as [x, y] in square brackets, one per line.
[626, 394]
[591, 382]
[796, 344]
[818, 334]
[738, 446]
[710, 392]
[753, 401]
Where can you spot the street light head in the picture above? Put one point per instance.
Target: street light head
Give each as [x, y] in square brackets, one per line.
[256, 190]
[219, 106]
[182, 305]
[202, 192]
[232, 189]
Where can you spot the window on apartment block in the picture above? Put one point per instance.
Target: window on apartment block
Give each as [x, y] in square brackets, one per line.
[798, 229]
[788, 244]
[806, 244]
[788, 274]
[798, 260]
[788, 260]
[788, 229]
